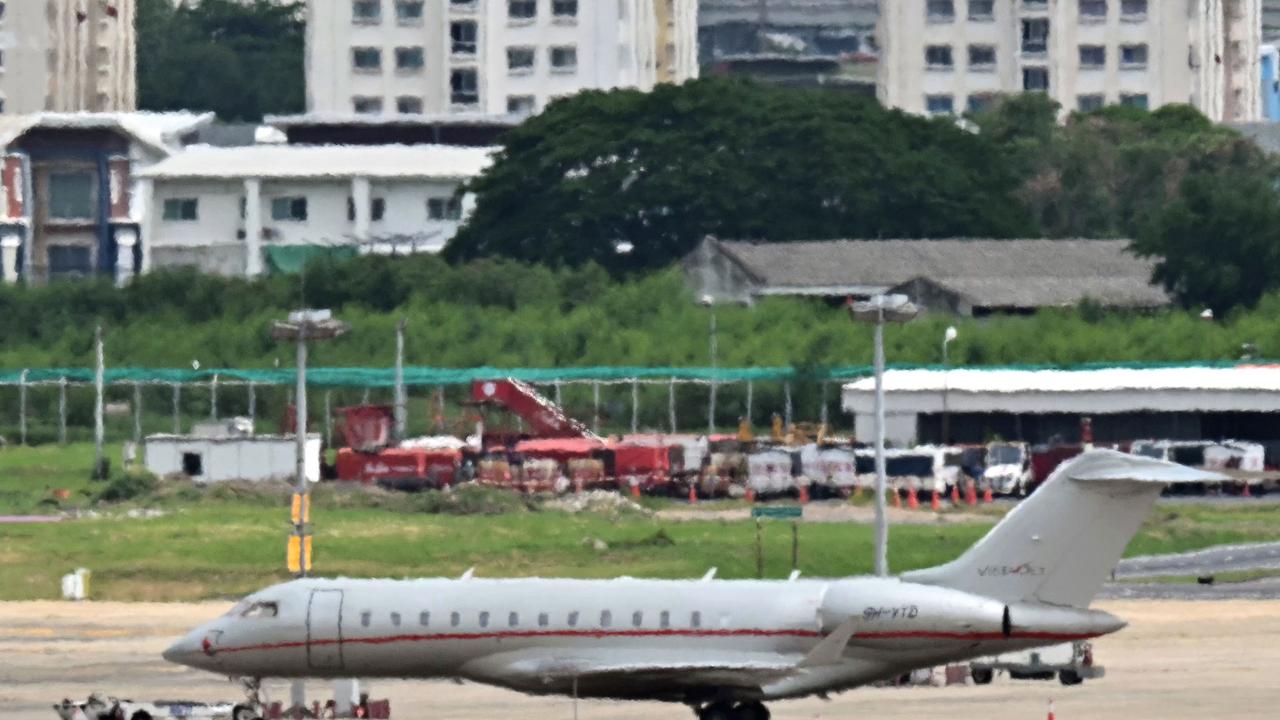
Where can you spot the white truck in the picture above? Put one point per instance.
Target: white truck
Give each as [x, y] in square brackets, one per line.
[1072, 663]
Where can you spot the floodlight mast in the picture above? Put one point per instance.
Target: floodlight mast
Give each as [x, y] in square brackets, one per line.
[878, 310]
[301, 326]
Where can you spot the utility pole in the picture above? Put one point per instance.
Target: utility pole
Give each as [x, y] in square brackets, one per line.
[99, 427]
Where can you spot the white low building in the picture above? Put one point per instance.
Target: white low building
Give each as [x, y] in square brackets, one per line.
[229, 457]
[233, 211]
[1122, 404]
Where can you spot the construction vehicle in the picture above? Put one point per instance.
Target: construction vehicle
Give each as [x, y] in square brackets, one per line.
[371, 455]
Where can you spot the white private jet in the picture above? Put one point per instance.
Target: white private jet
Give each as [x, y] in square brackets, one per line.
[722, 647]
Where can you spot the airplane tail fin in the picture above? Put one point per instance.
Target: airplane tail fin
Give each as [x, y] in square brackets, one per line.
[1059, 545]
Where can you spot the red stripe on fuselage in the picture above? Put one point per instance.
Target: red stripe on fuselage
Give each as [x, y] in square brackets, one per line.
[603, 634]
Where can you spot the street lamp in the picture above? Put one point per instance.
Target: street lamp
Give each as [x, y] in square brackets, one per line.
[878, 310]
[301, 326]
[947, 338]
[709, 302]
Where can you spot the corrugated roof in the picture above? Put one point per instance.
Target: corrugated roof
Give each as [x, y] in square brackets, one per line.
[988, 273]
[161, 131]
[304, 162]
[841, 13]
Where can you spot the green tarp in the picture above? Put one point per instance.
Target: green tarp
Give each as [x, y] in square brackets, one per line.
[290, 259]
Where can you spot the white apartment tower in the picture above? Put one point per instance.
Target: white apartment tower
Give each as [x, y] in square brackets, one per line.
[67, 56]
[410, 57]
[954, 56]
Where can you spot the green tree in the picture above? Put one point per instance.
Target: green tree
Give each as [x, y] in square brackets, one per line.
[663, 169]
[240, 59]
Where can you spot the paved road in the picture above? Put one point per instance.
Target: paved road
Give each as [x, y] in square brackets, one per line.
[1202, 563]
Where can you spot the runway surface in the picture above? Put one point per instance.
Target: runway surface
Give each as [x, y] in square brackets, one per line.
[1177, 659]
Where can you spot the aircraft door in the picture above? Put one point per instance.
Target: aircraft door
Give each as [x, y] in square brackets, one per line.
[324, 630]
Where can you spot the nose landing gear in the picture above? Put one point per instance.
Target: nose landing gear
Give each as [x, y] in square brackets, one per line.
[252, 708]
[753, 710]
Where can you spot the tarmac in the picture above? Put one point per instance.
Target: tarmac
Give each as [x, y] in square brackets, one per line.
[1177, 659]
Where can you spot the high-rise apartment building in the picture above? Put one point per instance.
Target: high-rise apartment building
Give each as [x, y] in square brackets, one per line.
[954, 56]
[67, 56]
[413, 57]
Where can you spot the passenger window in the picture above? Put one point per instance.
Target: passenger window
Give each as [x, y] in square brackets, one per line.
[695, 620]
[637, 618]
[606, 618]
[664, 619]
[365, 618]
[573, 619]
[424, 619]
[395, 619]
[484, 619]
[513, 619]
[455, 619]
[261, 610]
[543, 620]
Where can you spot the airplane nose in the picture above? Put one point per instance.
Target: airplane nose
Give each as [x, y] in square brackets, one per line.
[184, 652]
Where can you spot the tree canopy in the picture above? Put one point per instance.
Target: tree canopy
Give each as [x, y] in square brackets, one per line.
[658, 171]
[239, 58]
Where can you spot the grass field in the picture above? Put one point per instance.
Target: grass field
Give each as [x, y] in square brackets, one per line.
[225, 543]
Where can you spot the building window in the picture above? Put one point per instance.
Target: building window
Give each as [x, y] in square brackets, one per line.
[980, 103]
[366, 12]
[521, 104]
[464, 87]
[76, 261]
[938, 57]
[366, 105]
[366, 59]
[409, 12]
[71, 195]
[522, 9]
[1133, 10]
[409, 59]
[408, 105]
[1093, 57]
[444, 209]
[463, 34]
[1135, 101]
[462, 5]
[938, 11]
[982, 57]
[564, 59]
[561, 9]
[982, 10]
[182, 209]
[1035, 79]
[1093, 10]
[292, 209]
[1035, 36]
[520, 60]
[939, 104]
[1035, 5]
[1133, 57]
[377, 209]
[1089, 103]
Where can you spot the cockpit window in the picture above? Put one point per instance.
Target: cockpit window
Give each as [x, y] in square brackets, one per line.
[240, 608]
[261, 610]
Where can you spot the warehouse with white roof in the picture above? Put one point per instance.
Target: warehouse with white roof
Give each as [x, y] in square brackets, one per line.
[247, 210]
[1239, 402]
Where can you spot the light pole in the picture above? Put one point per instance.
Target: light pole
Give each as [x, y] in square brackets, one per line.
[879, 310]
[947, 338]
[301, 326]
[709, 302]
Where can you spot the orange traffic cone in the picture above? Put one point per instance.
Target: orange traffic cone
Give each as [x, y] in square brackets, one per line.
[897, 499]
[1050, 710]
[751, 495]
[913, 499]
[971, 494]
[635, 490]
[1246, 492]
[693, 494]
[987, 497]
[934, 503]
[804, 494]
[955, 494]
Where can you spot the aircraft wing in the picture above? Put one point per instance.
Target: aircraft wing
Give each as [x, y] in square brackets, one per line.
[622, 673]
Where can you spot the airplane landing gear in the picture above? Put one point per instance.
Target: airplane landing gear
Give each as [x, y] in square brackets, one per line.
[252, 708]
[753, 710]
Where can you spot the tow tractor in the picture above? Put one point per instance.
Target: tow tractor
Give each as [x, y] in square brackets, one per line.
[1071, 662]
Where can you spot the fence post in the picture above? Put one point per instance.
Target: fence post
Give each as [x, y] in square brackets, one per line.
[253, 401]
[137, 413]
[823, 412]
[62, 410]
[750, 393]
[671, 404]
[559, 401]
[440, 422]
[99, 424]
[213, 397]
[177, 408]
[22, 408]
[635, 407]
[786, 407]
[595, 407]
[328, 418]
